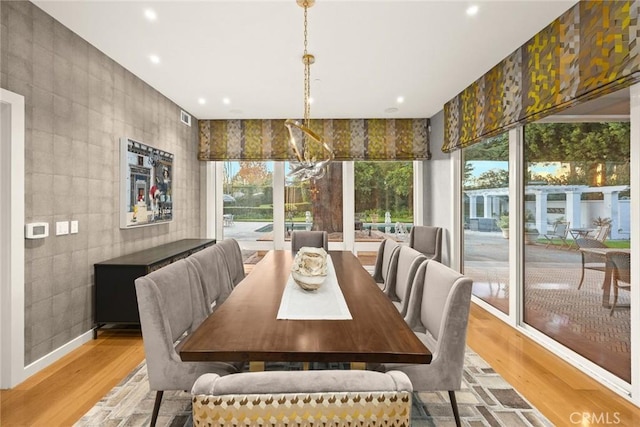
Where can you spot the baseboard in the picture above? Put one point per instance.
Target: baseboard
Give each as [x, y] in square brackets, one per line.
[56, 354]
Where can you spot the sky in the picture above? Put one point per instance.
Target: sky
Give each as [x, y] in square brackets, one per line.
[482, 166]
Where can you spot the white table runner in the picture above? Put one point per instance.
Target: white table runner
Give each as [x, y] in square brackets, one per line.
[326, 303]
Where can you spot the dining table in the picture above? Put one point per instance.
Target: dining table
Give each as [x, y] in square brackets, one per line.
[607, 283]
[249, 326]
[578, 233]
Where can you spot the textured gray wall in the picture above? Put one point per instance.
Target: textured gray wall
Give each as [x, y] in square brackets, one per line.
[79, 102]
[438, 178]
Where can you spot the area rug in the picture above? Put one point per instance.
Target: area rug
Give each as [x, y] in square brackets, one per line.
[485, 399]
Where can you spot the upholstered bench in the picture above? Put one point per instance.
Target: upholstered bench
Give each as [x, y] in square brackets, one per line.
[303, 398]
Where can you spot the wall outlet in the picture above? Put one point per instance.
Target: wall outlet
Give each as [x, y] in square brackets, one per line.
[62, 227]
[74, 227]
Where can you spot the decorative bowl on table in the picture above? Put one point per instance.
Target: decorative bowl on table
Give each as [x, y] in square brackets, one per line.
[309, 268]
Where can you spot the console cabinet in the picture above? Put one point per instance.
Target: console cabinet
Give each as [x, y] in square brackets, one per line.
[115, 292]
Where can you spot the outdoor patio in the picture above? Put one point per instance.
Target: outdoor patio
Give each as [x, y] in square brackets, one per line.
[553, 304]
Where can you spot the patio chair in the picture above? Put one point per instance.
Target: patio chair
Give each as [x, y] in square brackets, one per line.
[591, 261]
[621, 262]
[560, 231]
[600, 233]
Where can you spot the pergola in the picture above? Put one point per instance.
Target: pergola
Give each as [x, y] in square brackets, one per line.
[496, 202]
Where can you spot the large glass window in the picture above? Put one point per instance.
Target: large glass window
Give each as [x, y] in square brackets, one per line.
[486, 219]
[248, 202]
[577, 213]
[383, 203]
[315, 204]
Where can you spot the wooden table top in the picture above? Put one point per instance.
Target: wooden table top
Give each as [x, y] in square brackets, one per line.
[605, 251]
[245, 327]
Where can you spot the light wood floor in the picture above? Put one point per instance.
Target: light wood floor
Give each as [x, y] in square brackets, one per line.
[63, 392]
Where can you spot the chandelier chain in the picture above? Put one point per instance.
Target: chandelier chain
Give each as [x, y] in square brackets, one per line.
[307, 73]
[311, 163]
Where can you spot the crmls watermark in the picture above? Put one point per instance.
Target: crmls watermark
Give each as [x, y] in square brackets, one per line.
[600, 418]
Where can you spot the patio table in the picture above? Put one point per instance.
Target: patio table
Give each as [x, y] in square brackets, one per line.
[577, 233]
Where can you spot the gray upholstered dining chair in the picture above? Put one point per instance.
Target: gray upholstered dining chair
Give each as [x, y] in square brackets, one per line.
[171, 305]
[233, 257]
[438, 314]
[386, 260]
[401, 277]
[621, 262]
[314, 239]
[213, 274]
[428, 240]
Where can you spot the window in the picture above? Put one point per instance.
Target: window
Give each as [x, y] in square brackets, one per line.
[486, 219]
[578, 174]
[383, 203]
[315, 205]
[248, 202]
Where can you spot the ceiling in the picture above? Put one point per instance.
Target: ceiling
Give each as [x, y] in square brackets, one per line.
[368, 53]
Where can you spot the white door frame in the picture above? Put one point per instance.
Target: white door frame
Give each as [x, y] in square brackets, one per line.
[12, 179]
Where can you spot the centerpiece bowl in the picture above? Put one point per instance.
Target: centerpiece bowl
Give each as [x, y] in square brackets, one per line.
[309, 269]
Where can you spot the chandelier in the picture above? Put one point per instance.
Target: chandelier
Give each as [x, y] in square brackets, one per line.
[312, 153]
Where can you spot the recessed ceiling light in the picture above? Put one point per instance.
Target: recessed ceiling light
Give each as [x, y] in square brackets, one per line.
[150, 14]
[154, 58]
[472, 10]
[310, 100]
[400, 99]
[226, 101]
[202, 101]
[391, 110]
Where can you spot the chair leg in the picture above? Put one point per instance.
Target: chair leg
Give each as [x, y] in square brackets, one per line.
[454, 406]
[156, 408]
[615, 298]
[582, 275]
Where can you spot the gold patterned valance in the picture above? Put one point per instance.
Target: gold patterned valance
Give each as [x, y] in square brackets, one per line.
[589, 51]
[350, 139]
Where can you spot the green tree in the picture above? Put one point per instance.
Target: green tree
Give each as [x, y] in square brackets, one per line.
[384, 185]
[494, 178]
[597, 154]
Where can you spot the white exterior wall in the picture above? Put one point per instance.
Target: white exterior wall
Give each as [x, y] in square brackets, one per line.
[590, 210]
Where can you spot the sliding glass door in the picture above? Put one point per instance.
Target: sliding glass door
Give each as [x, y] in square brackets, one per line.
[314, 205]
[485, 207]
[247, 212]
[577, 209]
[383, 205]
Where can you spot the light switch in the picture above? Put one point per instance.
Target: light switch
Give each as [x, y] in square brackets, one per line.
[74, 227]
[62, 227]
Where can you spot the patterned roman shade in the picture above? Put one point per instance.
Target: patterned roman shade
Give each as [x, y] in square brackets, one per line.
[350, 139]
[589, 51]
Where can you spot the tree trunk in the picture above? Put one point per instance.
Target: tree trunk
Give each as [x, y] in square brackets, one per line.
[326, 196]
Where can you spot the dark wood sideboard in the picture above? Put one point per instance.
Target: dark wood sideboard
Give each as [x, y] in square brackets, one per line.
[115, 292]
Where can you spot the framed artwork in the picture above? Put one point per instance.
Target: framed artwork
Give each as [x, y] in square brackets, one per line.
[146, 175]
